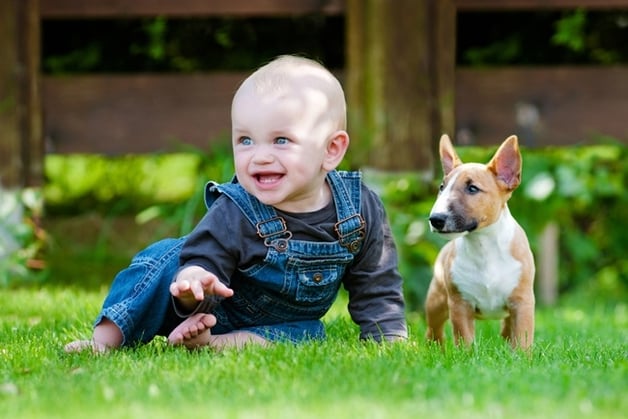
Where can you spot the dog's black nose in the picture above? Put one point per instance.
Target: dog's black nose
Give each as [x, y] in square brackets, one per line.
[438, 221]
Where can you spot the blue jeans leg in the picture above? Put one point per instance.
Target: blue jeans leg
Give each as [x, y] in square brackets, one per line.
[139, 300]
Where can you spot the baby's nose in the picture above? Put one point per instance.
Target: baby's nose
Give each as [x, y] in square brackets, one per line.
[263, 155]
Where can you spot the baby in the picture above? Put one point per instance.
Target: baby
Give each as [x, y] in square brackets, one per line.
[268, 258]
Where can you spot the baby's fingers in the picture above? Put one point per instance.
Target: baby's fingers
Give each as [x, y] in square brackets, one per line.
[186, 289]
[198, 289]
[213, 286]
[222, 290]
[179, 287]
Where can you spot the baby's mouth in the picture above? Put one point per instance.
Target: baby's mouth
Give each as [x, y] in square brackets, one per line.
[268, 178]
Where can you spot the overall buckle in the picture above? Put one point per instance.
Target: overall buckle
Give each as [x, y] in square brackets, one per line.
[352, 240]
[271, 238]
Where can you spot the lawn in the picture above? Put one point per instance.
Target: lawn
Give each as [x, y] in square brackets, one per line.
[578, 368]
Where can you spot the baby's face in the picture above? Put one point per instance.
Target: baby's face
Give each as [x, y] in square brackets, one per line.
[279, 143]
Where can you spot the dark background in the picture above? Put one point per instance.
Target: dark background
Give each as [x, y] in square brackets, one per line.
[210, 44]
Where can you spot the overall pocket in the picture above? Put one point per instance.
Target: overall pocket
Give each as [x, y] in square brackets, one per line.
[316, 280]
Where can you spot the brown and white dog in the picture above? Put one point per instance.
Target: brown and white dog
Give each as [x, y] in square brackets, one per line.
[487, 269]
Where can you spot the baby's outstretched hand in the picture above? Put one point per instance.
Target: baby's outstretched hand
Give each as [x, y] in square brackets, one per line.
[194, 283]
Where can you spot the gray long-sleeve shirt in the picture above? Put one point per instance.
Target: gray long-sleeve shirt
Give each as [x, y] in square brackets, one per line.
[224, 241]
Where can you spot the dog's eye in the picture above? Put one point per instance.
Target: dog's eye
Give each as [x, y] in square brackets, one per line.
[441, 187]
[472, 189]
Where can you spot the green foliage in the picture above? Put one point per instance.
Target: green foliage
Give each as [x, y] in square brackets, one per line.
[21, 237]
[588, 201]
[589, 36]
[502, 51]
[163, 186]
[217, 165]
[77, 183]
[578, 369]
[240, 43]
[186, 45]
[156, 31]
[576, 36]
[581, 189]
[570, 31]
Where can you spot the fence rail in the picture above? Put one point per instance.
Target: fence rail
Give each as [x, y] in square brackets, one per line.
[55, 9]
[144, 113]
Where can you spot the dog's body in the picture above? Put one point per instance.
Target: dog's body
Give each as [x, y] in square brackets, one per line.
[487, 269]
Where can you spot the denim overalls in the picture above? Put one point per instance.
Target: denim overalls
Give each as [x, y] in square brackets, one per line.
[282, 297]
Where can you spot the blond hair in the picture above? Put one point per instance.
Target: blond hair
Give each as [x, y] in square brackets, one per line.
[286, 73]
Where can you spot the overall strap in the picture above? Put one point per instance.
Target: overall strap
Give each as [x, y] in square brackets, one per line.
[351, 227]
[346, 191]
[270, 226]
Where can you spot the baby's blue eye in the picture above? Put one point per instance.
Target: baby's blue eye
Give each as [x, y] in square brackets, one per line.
[282, 140]
[246, 141]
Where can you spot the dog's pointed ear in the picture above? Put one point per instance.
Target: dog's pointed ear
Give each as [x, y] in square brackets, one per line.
[448, 157]
[506, 163]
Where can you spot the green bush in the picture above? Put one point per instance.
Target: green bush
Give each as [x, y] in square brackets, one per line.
[581, 189]
[77, 183]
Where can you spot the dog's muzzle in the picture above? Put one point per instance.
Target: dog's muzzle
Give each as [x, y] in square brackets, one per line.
[437, 221]
[446, 223]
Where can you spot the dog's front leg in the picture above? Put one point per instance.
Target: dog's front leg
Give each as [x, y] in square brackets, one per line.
[462, 318]
[436, 311]
[518, 327]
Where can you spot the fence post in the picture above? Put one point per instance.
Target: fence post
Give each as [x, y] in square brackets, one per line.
[399, 77]
[547, 266]
[21, 126]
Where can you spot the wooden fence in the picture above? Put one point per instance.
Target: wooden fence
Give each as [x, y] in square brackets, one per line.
[148, 112]
[144, 112]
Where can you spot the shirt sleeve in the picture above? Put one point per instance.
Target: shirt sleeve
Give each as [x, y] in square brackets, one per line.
[374, 284]
[211, 244]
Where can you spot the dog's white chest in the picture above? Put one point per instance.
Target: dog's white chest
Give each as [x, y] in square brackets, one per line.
[484, 270]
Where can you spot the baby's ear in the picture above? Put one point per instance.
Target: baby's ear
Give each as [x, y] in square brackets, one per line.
[337, 146]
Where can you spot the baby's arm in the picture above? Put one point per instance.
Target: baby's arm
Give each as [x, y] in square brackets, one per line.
[192, 284]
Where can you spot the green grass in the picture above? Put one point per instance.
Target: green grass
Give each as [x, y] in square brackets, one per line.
[578, 369]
